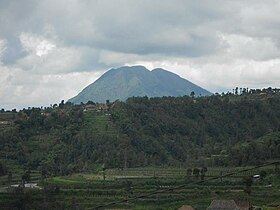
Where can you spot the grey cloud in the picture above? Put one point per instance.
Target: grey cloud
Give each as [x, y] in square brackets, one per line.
[125, 26]
[13, 52]
[205, 41]
[17, 16]
[174, 28]
[151, 27]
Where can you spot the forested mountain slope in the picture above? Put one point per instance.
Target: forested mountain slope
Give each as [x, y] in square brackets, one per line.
[228, 130]
[128, 81]
[217, 130]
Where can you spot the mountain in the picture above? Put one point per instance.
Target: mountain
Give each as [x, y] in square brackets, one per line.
[125, 82]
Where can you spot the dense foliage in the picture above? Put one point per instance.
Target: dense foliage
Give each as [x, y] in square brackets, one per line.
[229, 130]
[216, 130]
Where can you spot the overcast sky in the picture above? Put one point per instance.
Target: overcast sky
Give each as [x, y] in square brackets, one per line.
[50, 50]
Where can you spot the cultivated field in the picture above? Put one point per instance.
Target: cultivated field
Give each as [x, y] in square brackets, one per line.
[143, 188]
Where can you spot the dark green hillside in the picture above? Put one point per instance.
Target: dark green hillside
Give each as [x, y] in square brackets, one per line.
[229, 130]
[218, 130]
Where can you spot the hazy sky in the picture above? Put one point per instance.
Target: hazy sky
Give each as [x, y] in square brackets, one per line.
[51, 49]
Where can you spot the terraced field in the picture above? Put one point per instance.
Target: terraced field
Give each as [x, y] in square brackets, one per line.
[17, 173]
[136, 189]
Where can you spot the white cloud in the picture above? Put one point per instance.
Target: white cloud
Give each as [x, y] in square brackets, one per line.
[58, 61]
[44, 47]
[39, 90]
[245, 47]
[45, 75]
[221, 76]
[47, 57]
[35, 44]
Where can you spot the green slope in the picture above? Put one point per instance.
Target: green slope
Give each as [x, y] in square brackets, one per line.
[125, 82]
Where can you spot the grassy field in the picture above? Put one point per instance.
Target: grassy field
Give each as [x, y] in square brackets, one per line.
[89, 190]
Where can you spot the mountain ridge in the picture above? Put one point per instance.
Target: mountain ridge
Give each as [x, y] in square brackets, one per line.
[127, 81]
